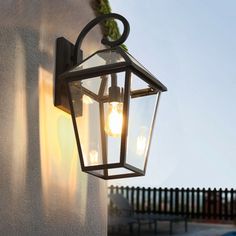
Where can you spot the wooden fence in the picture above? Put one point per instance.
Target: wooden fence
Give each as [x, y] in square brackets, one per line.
[193, 203]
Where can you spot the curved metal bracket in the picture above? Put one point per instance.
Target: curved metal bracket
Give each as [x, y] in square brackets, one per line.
[68, 55]
[77, 57]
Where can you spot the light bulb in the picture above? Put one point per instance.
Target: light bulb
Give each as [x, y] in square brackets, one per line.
[141, 142]
[113, 126]
[93, 157]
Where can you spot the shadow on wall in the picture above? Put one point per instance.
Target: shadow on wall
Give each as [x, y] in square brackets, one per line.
[66, 190]
[59, 159]
[19, 143]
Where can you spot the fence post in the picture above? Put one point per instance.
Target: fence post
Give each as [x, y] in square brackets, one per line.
[226, 203]
[110, 191]
[132, 198]
[187, 202]
[127, 193]
[220, 203]
[203, 203]
[182, 201]
[198, 203]
[209, 203]
[143, 200]
[138, 200]
[214, 204]
[154, 200]
[111, 188]
[176, 201]
[122, 190]
[165, 200]
[159, 200]
[231, 204]
[149, 201]
[192, 202]
[117, 189]
[171, 201]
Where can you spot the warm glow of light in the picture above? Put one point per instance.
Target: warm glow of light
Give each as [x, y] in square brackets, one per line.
[141, 145]
[93, 157]
[114, 120]
[87, 100]
[141, 142]
[59, 156]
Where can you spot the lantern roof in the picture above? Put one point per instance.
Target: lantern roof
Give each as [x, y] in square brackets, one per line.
[111, 60]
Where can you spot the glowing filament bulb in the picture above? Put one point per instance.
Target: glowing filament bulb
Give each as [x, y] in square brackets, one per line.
[141, 143]
[93, 157]
[114, 120]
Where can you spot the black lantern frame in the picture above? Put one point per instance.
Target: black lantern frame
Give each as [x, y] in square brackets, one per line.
[69, 89]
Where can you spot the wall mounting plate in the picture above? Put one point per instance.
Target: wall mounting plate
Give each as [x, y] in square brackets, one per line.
[64, 56]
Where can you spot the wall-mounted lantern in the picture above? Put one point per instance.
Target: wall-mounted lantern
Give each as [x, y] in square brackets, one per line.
[113, 102]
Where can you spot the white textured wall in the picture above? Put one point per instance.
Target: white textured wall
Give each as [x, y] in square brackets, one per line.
[42, 190]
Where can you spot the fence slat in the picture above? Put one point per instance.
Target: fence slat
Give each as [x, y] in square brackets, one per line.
[159, 200]
[214, 203]
[138, 199]
[220, 204]
[198, 203]
[192, 203]
[187, 202]
[117, 189]
[165, 200]
[122, 190]
[226, 204]
[154, 200]
[176, 201]
[209, 203]
[203, 203]
[182, 200]
[127, 192]
[111, 189]
[171, 201]
[149, 200]
[231, 204]
[143, 199]
[132, 198]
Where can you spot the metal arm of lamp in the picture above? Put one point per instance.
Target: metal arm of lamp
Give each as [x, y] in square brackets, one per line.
[78, 53]
[69, 55]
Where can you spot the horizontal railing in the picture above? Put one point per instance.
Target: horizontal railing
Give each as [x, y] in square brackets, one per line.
[193, 203]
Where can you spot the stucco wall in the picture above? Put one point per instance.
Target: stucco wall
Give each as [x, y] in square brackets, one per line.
[42, 189]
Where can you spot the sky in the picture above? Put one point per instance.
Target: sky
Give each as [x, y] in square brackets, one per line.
[190, 45]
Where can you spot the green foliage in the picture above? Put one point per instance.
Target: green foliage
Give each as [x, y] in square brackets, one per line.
[110, 28]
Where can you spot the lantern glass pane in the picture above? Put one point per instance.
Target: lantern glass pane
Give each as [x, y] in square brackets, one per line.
[139, 128]
[119, 171]
[100, 59]
[87, 117]
[137, 63]
[137, 83]
[92, 84]
[98, 119]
